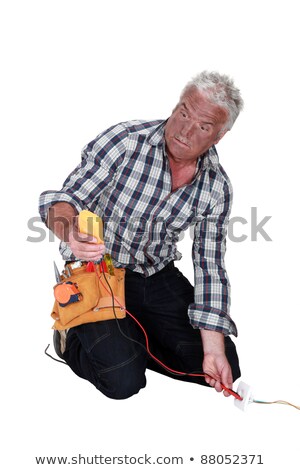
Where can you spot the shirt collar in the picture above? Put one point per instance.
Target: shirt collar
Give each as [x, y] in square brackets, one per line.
[209, 159]
[156, 137]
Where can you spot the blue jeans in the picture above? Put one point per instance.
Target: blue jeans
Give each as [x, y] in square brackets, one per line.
[98, 352]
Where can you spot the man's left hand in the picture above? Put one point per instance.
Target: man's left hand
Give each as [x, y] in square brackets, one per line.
[217, 366]
[215, 362]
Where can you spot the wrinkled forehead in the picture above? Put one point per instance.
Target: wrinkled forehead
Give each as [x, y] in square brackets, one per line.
[200, 102]
[193, 94]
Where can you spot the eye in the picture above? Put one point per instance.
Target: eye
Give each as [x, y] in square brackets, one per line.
[183, 114]
[204, 128]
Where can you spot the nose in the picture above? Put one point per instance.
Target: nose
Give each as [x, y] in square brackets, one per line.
[187, 128]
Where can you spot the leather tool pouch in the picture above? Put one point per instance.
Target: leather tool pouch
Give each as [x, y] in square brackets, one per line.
[96, 303]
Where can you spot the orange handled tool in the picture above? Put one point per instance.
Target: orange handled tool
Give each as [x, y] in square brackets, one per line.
[67, 293]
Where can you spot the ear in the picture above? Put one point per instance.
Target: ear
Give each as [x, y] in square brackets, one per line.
[220, 135]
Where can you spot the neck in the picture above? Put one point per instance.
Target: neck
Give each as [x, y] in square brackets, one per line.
[182, 172]
[181, 164]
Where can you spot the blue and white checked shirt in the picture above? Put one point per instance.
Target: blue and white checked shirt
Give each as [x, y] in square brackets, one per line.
[124, 177]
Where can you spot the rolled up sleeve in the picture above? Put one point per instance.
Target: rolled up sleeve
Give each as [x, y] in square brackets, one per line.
[99, 162]
[212, 287]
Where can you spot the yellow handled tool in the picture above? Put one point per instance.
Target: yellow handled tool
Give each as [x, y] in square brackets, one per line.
[91, 224]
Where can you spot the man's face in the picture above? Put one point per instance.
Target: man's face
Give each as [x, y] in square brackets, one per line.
[194, 126]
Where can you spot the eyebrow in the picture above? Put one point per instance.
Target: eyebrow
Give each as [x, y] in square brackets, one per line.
[203, 122]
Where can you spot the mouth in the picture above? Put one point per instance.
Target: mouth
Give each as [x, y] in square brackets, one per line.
[180, 142]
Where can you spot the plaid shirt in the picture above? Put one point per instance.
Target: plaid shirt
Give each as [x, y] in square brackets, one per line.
[124, 177]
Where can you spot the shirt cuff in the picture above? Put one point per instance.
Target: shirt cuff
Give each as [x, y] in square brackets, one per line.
[48, 198]
[210, 318]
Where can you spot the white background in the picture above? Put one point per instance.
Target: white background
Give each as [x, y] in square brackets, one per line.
[69, 70]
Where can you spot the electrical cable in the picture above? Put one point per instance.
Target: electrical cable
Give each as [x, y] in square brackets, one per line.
[147, 347]
[54, 358]
[158, 361]
[277, 402]
[171, 371]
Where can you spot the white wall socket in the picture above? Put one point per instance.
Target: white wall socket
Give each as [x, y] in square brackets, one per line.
[245, 392]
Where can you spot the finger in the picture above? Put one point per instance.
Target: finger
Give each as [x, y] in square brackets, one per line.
[95, 254]
[75, 236]
[218, 386]
[214, 381]
[86, 246]
[227, 381]
[89, 257]
[84, 238]
[211, 380]
[226, 389]
[92, 248]
[87, 251]
[102, 249]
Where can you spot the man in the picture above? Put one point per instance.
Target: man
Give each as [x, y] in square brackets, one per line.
[149, 181]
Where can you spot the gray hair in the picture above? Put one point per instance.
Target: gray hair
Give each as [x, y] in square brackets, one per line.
[220, 90]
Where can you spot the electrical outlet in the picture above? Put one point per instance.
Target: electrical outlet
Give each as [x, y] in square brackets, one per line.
[245, 392]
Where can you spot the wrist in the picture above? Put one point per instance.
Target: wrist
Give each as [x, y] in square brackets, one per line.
[213, 342]
[61, 218]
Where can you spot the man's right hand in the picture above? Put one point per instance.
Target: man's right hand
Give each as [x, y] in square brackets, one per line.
[84, 247]
[63, 221]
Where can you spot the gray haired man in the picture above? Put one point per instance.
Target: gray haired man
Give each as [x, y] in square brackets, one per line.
[149, 180]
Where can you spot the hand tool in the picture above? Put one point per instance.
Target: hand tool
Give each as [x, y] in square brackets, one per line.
[57, 273]
[91, 224]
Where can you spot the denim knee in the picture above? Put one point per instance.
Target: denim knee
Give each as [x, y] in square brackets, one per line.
[119, 386]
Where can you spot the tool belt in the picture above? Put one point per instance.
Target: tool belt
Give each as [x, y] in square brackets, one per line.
[91, 299]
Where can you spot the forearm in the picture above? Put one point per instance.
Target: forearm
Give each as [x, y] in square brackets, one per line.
[215, 363]
[213, 342]
[61, 219]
